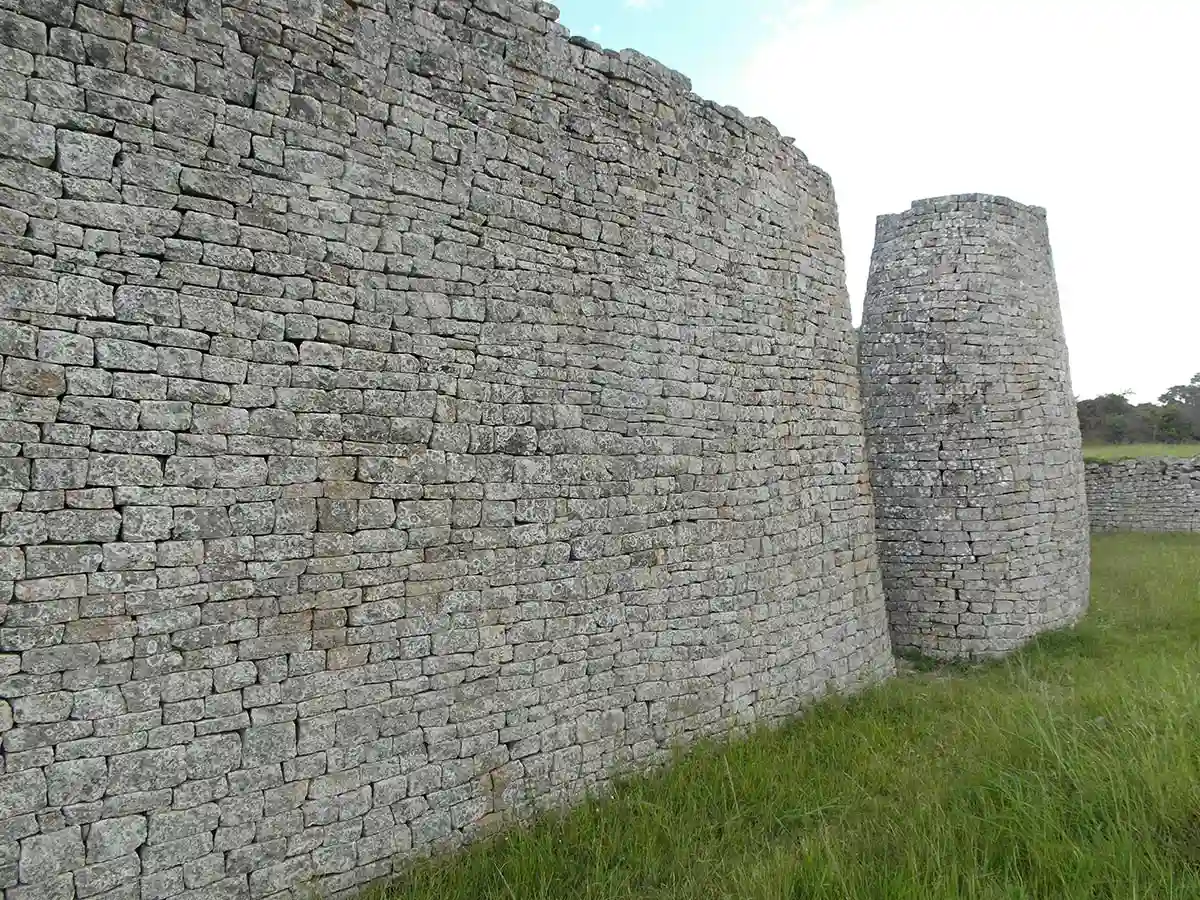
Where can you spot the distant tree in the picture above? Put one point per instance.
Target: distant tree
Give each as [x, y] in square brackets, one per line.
[1106, 419]
[1183, 394]
[1186, 399]
[1113, 419]
[1172, 426]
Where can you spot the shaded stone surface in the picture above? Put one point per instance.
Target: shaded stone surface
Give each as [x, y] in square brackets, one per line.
[972, 432]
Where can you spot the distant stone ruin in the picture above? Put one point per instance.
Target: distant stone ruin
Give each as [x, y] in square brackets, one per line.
[1153, 494]
[412, 416]
[973, 440]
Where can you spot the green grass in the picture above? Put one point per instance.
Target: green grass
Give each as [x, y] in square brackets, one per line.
[1069, 771]
[1111, 452]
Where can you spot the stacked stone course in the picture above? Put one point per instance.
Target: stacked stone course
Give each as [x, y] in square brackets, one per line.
[973, 439]
[409, 416]
[1144, 495]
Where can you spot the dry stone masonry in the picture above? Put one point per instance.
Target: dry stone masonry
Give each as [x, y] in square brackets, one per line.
[973, 439]
[1144, 495]
[409, 416]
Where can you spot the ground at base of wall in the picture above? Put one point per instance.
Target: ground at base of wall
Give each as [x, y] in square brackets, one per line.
[1067, 771]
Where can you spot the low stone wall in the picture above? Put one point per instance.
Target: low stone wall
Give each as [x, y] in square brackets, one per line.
[1159, 494]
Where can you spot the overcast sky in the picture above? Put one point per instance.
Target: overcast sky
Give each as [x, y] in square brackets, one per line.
[1090, 108]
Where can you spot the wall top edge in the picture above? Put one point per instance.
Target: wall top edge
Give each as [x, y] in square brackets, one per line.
[1145, 462]
[660, 78]
[950, 203]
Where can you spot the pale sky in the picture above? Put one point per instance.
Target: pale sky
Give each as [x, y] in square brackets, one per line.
[1086, 107]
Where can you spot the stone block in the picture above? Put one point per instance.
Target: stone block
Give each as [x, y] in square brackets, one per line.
[65, 348]
[22, 792]
[161, 66]
[109, 876]
[38, 379]
[114, 838]
[24, 295]
[146, 305]
[268, 744]
[146, 770]
[76, 781]
[22, 529]
[29, 141]
[58, 887]
[86, 155]
[124, 470]
[44, 856]
[91, 525]
[83, 296]
[234, 188]
[147, 523]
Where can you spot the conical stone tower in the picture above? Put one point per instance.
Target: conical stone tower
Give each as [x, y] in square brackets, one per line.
[973, 439]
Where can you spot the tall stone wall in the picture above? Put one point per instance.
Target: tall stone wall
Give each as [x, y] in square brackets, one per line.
[1144, 495]
[409, 416]
[972, 432]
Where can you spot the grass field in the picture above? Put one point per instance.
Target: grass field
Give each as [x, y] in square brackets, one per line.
[1069, 771]
[1133, 451]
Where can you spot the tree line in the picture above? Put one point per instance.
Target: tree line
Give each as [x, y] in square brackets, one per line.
[1174, 419]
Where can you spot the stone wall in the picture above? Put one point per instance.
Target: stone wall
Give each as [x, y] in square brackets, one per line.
[973, 439]
[409, 416]
[1144, 495]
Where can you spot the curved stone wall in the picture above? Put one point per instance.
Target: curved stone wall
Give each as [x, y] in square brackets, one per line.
[409, 415]
[1144, 494]
[972, 432]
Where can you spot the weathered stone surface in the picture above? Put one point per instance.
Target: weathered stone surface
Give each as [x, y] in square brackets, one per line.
[22, 32]
[37, 379]
[975, 452]
[147, 305]
[80, 296]
[145, 770]
[22, 139]
[21, 294]
[22, 792]
[412, 418]
[1144, 494]
[76, 781]
[45, 855]
[86, 155]
[115, 837]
